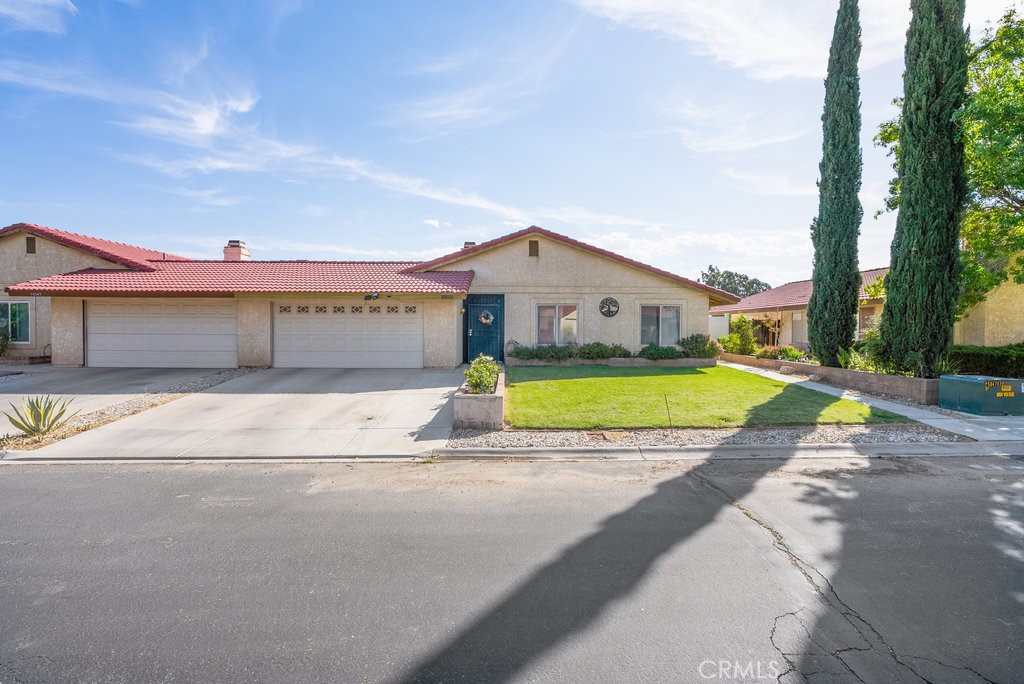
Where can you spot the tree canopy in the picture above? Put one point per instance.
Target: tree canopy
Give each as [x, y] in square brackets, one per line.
[737, 283]
[923, 286]
[832, 310]
[992, 124]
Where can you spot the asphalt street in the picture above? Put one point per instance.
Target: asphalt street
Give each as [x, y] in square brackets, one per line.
[829, 570]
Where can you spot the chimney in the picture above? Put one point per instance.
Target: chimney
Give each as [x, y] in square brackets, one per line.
[467, 245]
[236, 251]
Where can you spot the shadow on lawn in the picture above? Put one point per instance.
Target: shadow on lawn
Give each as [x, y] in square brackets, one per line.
[570, 593]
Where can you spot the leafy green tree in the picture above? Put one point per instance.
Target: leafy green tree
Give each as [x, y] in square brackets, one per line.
[992, 121]
[832, 310]
[737, 283]
[923, 282]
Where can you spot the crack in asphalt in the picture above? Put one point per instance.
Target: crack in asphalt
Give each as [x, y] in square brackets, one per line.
[830, 598]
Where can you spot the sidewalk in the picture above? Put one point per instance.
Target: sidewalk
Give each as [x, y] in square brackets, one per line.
[980, 428]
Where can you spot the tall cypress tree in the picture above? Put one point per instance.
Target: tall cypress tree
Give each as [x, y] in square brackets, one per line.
[832, 310]
[923, 281]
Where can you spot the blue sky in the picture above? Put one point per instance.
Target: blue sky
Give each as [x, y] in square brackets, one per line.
[680, 133]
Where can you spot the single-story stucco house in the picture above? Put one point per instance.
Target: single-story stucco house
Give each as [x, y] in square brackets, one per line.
[93, 302]
[780, 314]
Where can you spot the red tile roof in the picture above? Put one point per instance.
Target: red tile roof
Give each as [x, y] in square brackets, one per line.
[790, 296]
[127, 255]
[716, 294]
[212, 278]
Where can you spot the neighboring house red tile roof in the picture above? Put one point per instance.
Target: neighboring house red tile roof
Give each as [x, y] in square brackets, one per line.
[716, 294]
[119, 253]
[790, 296]
[212, 278]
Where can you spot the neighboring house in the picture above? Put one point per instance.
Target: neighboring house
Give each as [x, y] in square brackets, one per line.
[533, 287]
[781, 314]
[28, 252]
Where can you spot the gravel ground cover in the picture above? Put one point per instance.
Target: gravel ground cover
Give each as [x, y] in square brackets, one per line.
[812, 434]
[94, 419]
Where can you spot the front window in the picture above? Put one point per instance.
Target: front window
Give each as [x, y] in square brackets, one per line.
[557, 323]
[14, 320]
[659, 325]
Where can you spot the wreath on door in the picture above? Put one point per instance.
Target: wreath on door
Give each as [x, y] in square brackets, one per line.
[486, 317]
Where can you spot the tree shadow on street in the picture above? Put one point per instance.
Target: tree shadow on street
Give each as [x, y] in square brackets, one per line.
[570, 593]
[933, 594]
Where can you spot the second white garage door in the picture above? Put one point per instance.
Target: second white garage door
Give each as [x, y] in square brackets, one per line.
[196, 333]
[349, 334]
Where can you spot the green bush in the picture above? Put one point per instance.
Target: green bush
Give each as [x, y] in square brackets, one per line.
[782, 353]
[600, 350]
[744, 342]
[698, 346]
[482, 375]
[40, 415]
[656, 352]
[542, 353]
[1006, 361]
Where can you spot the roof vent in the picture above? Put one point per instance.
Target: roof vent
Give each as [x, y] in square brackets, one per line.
[467, 245]
[236, 251]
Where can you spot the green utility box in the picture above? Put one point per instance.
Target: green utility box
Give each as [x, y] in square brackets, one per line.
[982, 394]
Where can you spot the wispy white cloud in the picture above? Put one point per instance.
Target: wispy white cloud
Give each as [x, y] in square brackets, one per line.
[772, 183]
[185, 61]
[730, 127]
[773, 39]
[212, 197]
[210, 123]
[433, 223]
[776, 256]
[511, 88]
[47, 16]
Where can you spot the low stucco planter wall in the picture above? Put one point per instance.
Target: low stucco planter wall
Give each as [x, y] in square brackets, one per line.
[480, 411]
[627, 363]
[922, 390]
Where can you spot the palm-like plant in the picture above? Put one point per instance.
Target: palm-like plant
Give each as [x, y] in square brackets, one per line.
[40, 415]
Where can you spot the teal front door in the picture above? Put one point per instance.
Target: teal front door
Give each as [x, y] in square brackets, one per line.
[483, 326]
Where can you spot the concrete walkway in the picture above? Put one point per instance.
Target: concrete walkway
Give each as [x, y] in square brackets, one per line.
[980, 428]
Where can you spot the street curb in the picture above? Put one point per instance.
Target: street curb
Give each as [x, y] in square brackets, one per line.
[723, 452]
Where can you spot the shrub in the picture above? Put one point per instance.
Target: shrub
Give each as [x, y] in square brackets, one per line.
[600, 350]
[543, 353]
[656, 352]
[40, 415]
[1006, 361]
[698, 346]
[745, 342]
[783, 353]
[791, 353]
[482, 374]
[5, 342]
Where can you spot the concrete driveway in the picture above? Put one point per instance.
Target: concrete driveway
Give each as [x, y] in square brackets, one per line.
[286, 413]
[91, 389]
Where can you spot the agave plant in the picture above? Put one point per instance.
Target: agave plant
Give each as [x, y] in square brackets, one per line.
[40, 415]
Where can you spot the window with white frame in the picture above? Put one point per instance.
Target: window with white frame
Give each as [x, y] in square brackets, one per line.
[14, 320]
[557, 323]
[659, 325]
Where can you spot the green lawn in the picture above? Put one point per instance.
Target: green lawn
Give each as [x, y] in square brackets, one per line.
[588, 397]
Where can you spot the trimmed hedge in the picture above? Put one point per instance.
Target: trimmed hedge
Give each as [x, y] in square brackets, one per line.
[1005, 361]
[656, 352]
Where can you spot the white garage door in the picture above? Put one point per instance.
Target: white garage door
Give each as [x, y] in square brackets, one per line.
[161, 334]
[351, 334]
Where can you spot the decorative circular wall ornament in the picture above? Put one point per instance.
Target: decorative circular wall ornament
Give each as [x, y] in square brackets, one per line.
[485, 317]
[609, 306]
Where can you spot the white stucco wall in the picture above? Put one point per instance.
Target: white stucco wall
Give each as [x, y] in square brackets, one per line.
[50, 258]
[562, 274]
